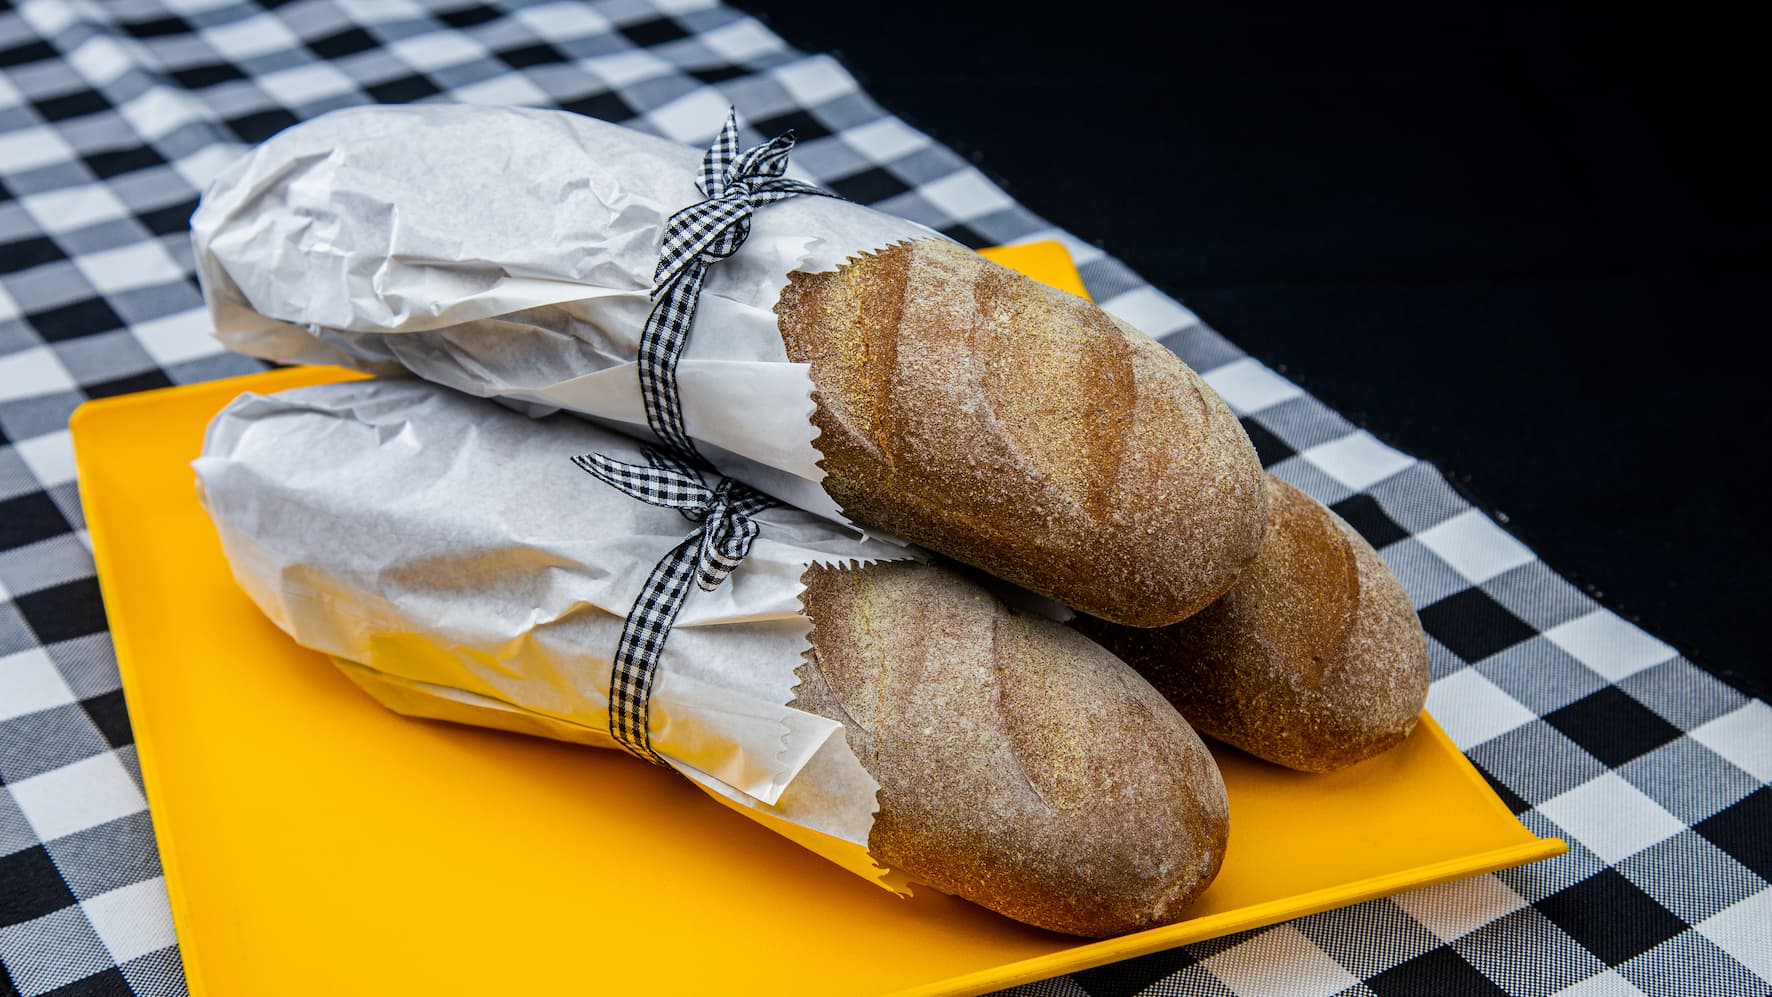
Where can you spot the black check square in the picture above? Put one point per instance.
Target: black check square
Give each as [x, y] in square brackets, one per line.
[28, 518]
[159, 27]
[87, 317]
[110, 983]
[23, 254]
[1612, 726]
[348, 42]
[1133, 976]
[605, 106]
[111, 717]
[19, 55]
[261, 125]
[1744, 830]
[870, 185]
[467, 17]
[1610, 917]
[33, 886]
[1473, 626]
[1368, 518]
[63, 612]
[804, 126]
[539, 54]
[174, 218]
[966, 236]
[206, 75]
[144, 381]
[1441, 972]
[657, 31]
[1268, 447]
[715, 75]
[403, 89]
[116, 162]
[74, 105]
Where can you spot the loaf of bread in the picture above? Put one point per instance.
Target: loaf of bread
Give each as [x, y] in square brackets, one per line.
[1024, 431]
[959, 405]
[1314, 660]
[1020, 766]
[452, 560]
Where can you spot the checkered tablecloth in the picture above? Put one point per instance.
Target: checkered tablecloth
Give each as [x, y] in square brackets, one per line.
[112, 118]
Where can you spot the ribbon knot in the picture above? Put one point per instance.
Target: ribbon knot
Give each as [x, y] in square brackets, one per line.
[736, 183]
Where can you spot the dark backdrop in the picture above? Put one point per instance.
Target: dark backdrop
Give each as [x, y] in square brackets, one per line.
[1530, 247]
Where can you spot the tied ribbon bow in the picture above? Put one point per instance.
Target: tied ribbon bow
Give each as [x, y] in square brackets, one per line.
[736, 184]
[720, 540]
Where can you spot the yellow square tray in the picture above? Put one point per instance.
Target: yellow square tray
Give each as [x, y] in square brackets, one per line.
[314, 842]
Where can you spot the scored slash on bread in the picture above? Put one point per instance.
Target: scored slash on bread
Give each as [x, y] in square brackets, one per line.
[975, 411]
[1021, 766]
[1314, 660]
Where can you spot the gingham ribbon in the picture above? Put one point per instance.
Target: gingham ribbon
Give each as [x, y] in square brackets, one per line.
[720, 540]
[736, 184]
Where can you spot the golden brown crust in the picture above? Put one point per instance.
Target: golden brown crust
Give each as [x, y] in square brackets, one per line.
[1314, 660]
[1022, 430]
[1020, 766]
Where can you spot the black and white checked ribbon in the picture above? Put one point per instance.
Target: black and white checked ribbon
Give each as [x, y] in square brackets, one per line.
[736, 184]
[720, 540]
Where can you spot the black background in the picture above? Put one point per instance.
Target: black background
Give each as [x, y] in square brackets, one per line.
[1528, 246]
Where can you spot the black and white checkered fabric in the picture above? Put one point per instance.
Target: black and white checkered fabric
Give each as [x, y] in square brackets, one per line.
[717, 544]
[113, 116]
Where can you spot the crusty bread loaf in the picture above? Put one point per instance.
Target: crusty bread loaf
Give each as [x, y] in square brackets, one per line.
[1020, 766]
[1314, 659]
[1022, 430]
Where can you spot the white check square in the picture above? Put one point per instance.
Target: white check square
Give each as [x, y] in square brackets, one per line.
[177, 338]
[741, 41]
[309, 82]
[814, 80]
[32, 372]
[1475, 547]
[100, 60]
[1453, 910]
[1607, 984]
[1247, 386]
[1471, 709]
[30, 682]
[1743, 737]
[694, 118]
[133, 920]
[1604, 642]
[1150, 311]
[1611, 817]
[142, 264]
[563, 21]
[160, 112]
[50, 457]
[436, 50]
[965, 195]
[1358, 460]
[623, 68]
[258, 35]
[885, 140]
[501, 91]
[1280, 962]
[78, 796]
[74, 207]
[29, 148]
[1745, 932]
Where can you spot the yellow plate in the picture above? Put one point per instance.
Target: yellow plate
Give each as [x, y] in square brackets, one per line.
[312, 840]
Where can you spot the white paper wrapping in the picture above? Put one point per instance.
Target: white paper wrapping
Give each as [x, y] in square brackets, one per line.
[457, 565]
[509, 253]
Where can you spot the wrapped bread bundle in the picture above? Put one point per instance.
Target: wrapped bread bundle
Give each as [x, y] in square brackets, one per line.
[885, 712]
[1314, 660]
[853, 364]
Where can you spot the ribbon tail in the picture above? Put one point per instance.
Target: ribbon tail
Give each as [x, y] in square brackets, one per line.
[641, 646]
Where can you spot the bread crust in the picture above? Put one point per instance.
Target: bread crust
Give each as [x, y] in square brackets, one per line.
[1020, 766]
[1314, 660]
[1022, 430]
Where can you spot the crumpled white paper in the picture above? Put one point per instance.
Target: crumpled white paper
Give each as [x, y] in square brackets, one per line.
[509, 253]
[457, 565]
